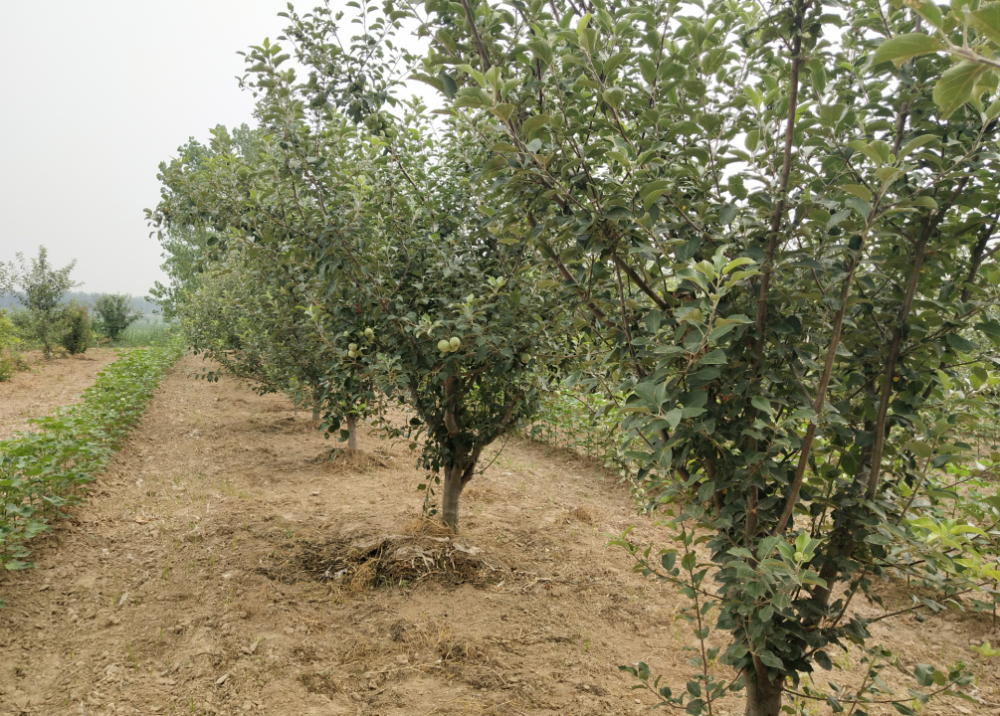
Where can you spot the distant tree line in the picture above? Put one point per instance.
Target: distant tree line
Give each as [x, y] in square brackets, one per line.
[85, 298]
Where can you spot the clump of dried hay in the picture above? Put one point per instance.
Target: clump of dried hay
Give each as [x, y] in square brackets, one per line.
[357, 562]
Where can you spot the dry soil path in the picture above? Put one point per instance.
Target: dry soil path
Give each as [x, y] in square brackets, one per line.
[192, 582]
[47, 385]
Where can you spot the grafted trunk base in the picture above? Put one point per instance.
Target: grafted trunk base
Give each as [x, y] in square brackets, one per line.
[352, 432]
[450, 495]
[763, 696]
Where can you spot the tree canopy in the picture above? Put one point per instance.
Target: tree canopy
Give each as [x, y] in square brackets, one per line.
[773, 224]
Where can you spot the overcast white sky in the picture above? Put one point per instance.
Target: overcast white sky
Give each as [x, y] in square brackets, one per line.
[94, 95]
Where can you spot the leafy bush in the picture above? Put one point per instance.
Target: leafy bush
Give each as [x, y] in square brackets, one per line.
[42, 288]
[10, 359]
[44, 471]
[115, 313]
[78, 333]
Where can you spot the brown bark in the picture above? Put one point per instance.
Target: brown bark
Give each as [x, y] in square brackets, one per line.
[449, 499]
[352, 432]
[641, 283]
[476, 38]
[824, 385]
[919, 253]
[763, 695]
[760, 322]
[456, 477]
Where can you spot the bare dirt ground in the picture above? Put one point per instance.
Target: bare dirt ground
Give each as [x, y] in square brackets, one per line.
[224, 566]
[48, 384]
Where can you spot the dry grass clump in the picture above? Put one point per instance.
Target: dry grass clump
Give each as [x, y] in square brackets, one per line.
[357, 563]
[581, 514]
[428, 527]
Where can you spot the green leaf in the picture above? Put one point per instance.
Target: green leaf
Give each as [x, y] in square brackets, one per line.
[652, 191]
[838, 217]
[767, 546]
[473, 97]
[888, 174]
[615, 97]
[993, 111]
[752, 139]
[986, 21]
[473, 73]
[859, 205]
[904, 47]
[716, 357]
[612, 63]
[532, 124]
[955, 86]
[858, 191]
[771, 659]
[925, 202]
[920, 449]
[727, 214]
[831, 114]
[821, 658]
[916, 143]
[931, 13]
[541, 50]
[960, 344]
[924, 674]
[761, 403]
[503, 111]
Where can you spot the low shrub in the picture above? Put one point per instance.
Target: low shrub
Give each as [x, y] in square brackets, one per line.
[10, 358]
[115, 313]
[78, 330]
[43, 472]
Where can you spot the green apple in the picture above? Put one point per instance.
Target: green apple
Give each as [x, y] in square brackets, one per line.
[454, 343]
[444, 346]
[353, 347]
[369, 333]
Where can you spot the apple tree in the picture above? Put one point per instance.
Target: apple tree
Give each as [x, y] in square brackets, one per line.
[789, 248]
[452, 316]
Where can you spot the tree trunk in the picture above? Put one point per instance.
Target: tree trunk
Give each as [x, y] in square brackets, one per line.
[352, 433]
[763, 696]
[453, 485]
[317, 413]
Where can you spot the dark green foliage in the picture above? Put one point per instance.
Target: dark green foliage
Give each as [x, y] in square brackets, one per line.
[115, 314]
[10, 358]
[78, 330]
[42, 288]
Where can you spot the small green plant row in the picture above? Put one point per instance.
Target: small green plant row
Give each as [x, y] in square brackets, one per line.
[588, 424]
[44, 471]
